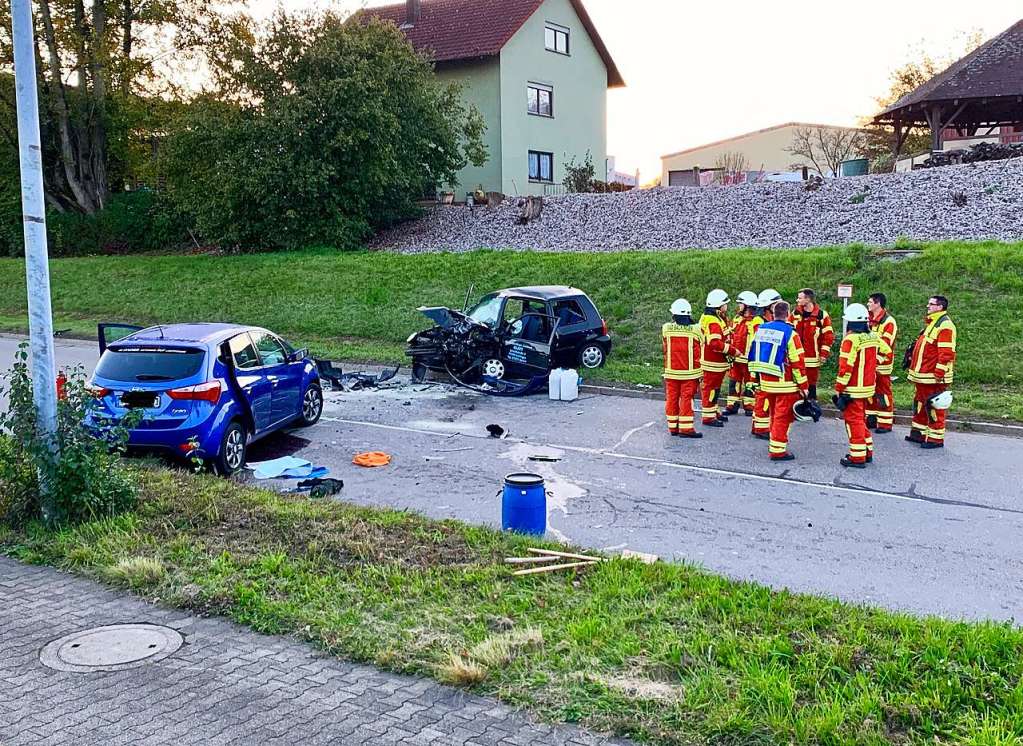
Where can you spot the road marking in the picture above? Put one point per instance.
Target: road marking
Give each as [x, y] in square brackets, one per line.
[629, 434]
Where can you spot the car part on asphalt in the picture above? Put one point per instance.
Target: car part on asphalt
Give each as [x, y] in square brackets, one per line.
[372, 459]
[496, 431]
[341, 381]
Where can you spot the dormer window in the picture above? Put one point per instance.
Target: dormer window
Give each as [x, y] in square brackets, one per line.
[556, 38]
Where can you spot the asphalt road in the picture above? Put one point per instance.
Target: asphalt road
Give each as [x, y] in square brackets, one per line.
[933, 532]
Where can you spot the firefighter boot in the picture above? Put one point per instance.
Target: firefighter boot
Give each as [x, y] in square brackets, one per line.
[846, 461]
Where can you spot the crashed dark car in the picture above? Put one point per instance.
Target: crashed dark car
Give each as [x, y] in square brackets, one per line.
[516, 333]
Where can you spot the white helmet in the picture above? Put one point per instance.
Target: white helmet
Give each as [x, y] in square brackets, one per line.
[747, 298]
[855, 312]
[681, 307]
[940, 401]
[768, 297]
[716, 298]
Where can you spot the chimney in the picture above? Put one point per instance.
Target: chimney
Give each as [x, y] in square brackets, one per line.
[413, 8]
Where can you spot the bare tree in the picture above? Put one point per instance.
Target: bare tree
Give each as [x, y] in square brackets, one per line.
[732, 162]
[826, 147]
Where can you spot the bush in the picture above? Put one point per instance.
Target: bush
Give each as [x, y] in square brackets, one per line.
[579, 177]
[322, 131]
[132, 222]
[88, 481]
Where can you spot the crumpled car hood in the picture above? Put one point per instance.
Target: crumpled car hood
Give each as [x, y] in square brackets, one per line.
[443, 317]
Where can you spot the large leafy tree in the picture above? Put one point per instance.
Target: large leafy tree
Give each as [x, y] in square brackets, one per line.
[317, 130]
[106, 68]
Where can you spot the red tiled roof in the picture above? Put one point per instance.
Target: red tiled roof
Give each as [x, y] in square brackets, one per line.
[453, 30]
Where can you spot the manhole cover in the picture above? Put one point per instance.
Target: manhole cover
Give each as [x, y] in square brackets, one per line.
[111, 648]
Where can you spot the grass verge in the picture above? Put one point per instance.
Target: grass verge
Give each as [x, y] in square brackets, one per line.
[361, 306]
[664, 653]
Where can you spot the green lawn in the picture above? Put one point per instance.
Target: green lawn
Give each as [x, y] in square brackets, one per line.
[362, 305]
[664, 653]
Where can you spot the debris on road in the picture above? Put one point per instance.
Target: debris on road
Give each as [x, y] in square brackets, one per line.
[286, 467]
[322, 487]
[371, 459]
[496, 431]
[542, 457]
[358, 381]
[569, 555]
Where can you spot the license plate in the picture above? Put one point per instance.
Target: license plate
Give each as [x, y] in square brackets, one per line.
[140, 400]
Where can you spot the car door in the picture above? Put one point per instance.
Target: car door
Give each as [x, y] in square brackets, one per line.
[107, 334]
[573, 330]
[528, 338]
[285, 377]
[252, 380]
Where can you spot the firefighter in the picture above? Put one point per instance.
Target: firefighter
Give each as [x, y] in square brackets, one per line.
[881, 407]
[740, 339]
[761, 417]
[855, 384]
[716, 351]
[931, 363]
[776, 356]
[813, 325]
[682, 343]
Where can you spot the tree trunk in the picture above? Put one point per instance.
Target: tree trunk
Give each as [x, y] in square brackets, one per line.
[69, 159]
[127, 41]
[98, 125]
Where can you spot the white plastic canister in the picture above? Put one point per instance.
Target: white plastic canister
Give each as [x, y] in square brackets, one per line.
[554, 384]
[569, 385]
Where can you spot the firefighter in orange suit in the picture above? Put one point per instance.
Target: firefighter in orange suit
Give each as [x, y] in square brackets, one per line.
[813, 325]
[761, 416]
[931, 367]
[716, 354]
[682, 342]
[740, 340]
[777, 357]
[855, 383]
[881, 407]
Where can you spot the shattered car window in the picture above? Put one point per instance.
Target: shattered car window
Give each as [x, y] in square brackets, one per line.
[487, 311]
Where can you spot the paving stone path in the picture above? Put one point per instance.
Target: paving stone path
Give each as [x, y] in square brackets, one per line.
[225, 685]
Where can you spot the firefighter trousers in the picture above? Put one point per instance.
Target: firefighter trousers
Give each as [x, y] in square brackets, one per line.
[813, 375]
[928, 423]
[710, 402]
[737, 382]
[882, 404]
[861, 445]
[678, 404]
[761, 413]
[782, 417]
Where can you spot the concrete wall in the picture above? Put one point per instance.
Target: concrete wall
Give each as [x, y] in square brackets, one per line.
[481, 86]
[579, 81]
[763, 149]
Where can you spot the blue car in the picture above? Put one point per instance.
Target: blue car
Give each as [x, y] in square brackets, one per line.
[205, 390]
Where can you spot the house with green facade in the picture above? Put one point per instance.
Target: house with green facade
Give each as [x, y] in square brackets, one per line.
[537, 70]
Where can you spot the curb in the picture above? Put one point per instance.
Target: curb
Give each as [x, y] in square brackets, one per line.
[901, 418]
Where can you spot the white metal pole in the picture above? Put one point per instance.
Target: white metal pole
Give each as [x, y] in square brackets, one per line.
[845, 324]
[33, 205]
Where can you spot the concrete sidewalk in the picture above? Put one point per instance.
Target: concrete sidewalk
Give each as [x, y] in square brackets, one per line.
[225, 685]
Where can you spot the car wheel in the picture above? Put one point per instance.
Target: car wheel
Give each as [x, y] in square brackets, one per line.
[493, 368]
[231, 456]
[591, 356]
[312, 406]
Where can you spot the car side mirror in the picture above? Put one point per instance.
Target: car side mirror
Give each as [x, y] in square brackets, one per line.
[298, 355]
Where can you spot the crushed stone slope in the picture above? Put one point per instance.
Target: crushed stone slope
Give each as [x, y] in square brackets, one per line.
[927, 204]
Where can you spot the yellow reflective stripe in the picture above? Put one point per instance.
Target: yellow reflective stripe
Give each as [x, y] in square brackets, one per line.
[947, 345]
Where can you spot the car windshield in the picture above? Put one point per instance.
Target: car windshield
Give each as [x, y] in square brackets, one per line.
[487, 311]
[149, 363]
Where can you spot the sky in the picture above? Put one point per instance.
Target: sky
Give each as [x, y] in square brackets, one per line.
[699, 71]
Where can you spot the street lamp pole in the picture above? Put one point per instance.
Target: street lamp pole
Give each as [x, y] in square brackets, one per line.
[33, 206]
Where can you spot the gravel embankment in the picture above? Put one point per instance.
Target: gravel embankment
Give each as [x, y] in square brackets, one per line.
[877, 210]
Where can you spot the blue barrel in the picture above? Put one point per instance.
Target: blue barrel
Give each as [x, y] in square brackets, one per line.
[524, 504]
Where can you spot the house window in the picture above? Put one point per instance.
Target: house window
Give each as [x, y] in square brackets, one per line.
[556, 38]
[541, 166]
[540, 100]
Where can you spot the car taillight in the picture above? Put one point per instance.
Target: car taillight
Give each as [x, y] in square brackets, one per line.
[604, 324]
[97, 391]
[209, 391]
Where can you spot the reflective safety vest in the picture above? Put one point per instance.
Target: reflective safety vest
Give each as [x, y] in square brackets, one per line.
[857, 365]
[682, 347]
[769, 350]
[715, 346]
[887, 330]
[934, 353]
